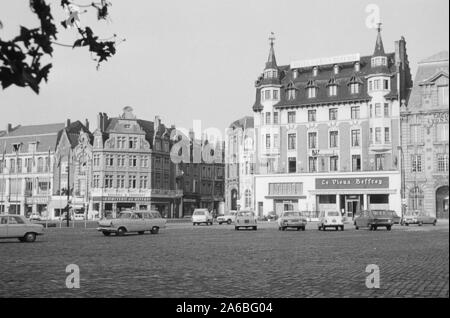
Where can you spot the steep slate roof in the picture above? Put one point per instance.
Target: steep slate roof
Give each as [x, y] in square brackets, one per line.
[44, 135]
[379, 47]
[342, 79]
[73, 132]
[428, 68]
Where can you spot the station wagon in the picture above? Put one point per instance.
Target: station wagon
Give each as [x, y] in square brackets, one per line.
[132, 221]
[373, 219]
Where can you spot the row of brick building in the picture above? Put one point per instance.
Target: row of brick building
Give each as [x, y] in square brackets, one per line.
[125, 163]
[344, 133]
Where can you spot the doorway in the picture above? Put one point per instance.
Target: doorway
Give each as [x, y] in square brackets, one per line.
[352, 205]
[442, 202]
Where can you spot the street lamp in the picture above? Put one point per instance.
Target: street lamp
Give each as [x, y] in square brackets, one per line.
[403, 186]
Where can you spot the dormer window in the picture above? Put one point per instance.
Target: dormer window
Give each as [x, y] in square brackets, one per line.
[271, 74]
[336, 69]
[354, 84]
[311, 89]
[332, 87]
[357, 67]
[379, 61]
[291, 92]
[315, 71]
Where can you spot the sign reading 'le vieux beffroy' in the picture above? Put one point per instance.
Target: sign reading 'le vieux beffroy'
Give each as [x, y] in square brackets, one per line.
[353, 183]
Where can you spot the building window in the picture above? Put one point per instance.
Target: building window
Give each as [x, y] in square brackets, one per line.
[386, 84]
[332, 90]
[275, 94]
[121, 142]
[120, 181]
[334, 163]
[377, 109]
[132, 184]
[121, 161]
[442, 132]
[96, 160]
[294, 74]
[267, 141]
[291, 141]
[356, 138]
[132, 142]
[371, 135]
[354, 88]
[443, 95]
[386, 110]
[144, 162]
[312, 140]
[143, 182]
[292, 164]
[333, 114]
[336, 69]
[378, 135]
[416, 163]
[311, 115]
[379, 162]
[312, 164]
[416, 198]
[133, 161]
[267, 94]
[276, 140]
[387, 135]
[312, 92]
[356, 163]
[275, 118]
[291, 117]
[96, 181]
[357, 67]
[109, 181]
[291, 94]
[415, 134]
[267, 118]
[109, 160]
[442, 162]
[379, 61]
[334, 139]
[355, 112]
[248, 198]
[315, 71]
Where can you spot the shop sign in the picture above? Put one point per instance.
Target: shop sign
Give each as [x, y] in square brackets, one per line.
[122, 199]
[353, 183]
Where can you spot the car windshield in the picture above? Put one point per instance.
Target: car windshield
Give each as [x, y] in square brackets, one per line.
[382, 213]
[245, 213]
[199, 213]
[289, 214]
[124, 215]
[333, 213]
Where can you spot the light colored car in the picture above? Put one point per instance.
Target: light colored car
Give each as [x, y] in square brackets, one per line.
[245, 219]
[202, 216]
[227, 218]
[292, 219]
[132, 222]
[419, 218]
[78, 216]
[17, 226]
[330, 219]
[35, 217]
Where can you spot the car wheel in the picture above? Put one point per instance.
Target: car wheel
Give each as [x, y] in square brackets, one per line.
[121, 231]
[229, 222]
[336, 228]
[420, 223]
[375, 228]
[236, 228]
[21, 239]
[283, 228]
[29, 237]
[303, 228]
[141, 232]
[323, 228]
[356, 227]
[434, 223]
[154, 230]
[279, 228]
[255, 228]
[342, 228]
[388, 228]
[106, 233]
[407, 224]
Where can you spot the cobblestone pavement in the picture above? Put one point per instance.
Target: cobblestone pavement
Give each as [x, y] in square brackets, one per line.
[216, 261]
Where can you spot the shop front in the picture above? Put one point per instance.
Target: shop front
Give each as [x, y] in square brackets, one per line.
[350, 195]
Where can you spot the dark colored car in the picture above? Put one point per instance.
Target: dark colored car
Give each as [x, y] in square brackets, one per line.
[373, 219]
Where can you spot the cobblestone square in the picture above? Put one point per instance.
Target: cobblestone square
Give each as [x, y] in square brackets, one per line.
[217, 261]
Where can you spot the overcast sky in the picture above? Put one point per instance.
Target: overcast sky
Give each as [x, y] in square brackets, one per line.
[198, 59]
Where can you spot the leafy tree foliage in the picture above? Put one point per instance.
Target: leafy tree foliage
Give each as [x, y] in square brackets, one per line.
[20, 57]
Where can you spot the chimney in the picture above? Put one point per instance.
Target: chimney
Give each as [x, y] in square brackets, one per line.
[157, 122]
[104, 120]
[100, 121]
[8, 128]
[191, 134]
[67, 123]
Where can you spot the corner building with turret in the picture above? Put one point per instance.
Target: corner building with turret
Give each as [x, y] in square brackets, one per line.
[328, 132]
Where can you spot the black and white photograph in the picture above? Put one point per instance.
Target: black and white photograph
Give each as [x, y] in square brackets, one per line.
[224, 155]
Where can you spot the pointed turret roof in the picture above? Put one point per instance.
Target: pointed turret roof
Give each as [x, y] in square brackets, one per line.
[271, 60]
[379, 48]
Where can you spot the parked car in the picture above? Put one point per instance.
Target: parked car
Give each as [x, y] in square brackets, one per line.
[292, 219]
[397, 218]
[227, 218]
[17, 226]
[129, 221]
[78, 216]
[246, 219]
[202, 216]
[330, 219]
[271, 216]
[34, 216]
[419, 218]
[373, 219]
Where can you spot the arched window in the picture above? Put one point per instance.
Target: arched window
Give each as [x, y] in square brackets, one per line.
[416, 197]
[248, 198]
